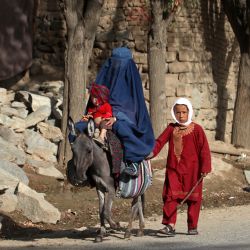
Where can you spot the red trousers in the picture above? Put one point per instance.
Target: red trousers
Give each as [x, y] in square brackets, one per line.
[170, 213]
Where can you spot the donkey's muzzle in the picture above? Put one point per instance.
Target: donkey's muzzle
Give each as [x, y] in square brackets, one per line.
[81, 182]
[72, 177]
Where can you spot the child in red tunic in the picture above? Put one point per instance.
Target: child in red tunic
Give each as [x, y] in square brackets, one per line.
[188, 159]
[99, 109]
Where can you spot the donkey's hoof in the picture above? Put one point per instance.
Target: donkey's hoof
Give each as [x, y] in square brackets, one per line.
[98, 239]
[118, 226]
[127, 235]
[139, 233]
[115, 226]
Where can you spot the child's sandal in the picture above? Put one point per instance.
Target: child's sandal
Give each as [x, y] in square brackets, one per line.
[167, 230]
[192, 231]
[102, 144]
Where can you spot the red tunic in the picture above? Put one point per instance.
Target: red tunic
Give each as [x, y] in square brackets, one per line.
[188, 157]
[104, 111]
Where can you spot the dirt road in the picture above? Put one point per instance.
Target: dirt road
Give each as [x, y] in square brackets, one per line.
[224, 228]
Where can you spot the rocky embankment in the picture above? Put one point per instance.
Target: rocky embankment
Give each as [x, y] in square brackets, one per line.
[29, 136]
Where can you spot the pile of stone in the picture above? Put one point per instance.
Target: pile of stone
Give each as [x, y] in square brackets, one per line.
[29, 136]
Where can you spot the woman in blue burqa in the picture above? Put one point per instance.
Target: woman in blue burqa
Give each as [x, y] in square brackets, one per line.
[130, 122]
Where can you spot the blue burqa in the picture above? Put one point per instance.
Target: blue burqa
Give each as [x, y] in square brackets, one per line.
[133, 126]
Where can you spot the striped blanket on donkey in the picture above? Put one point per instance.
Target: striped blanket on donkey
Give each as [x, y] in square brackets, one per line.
[133, 186]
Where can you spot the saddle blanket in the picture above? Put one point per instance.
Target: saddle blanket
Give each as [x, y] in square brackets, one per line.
[133, 186]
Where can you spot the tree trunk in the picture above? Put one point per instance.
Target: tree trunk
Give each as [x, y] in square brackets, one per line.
[238, 14]
[157, 42]
[241, 123]
[157, 68]
[82, 18]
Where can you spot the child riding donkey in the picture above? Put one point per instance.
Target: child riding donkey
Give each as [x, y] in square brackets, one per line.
[100, 110]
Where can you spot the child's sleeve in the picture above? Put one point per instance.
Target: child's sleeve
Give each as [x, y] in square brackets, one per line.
[205, 154]
[109, 110]
[162, 140]
[90, 111]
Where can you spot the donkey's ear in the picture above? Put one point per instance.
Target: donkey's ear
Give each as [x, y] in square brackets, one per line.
[71, 126]
[91, 127]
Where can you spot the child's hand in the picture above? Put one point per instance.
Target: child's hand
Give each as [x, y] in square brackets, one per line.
[204, 174]
[86, 117]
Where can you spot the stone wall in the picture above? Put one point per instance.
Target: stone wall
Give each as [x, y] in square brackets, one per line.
[201, 61]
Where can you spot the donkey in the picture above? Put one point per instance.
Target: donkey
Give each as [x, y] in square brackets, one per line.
[92, 165]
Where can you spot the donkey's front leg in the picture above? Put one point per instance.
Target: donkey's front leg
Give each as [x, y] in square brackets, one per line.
[108, 208]
[102, 232]
[107, 186]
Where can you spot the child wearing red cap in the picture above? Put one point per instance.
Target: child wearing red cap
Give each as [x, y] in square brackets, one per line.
[99, 109]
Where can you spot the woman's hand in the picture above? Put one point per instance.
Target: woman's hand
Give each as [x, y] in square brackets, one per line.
[110, 121]
[149, 156]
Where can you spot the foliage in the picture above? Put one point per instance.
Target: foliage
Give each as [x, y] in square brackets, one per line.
[169, 7]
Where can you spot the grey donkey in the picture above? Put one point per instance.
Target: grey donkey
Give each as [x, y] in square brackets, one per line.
[91, 164]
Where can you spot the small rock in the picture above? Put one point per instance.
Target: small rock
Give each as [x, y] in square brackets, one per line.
[81, 228]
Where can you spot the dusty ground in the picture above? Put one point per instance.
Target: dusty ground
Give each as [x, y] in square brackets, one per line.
[79, 206]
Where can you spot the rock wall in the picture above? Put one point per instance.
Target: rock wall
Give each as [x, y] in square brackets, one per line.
[201, 62]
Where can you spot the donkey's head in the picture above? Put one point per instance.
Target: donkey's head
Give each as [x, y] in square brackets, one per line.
[82, 149]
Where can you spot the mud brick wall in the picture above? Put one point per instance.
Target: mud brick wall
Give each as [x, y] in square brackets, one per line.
[201, 62]
[49, 36]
